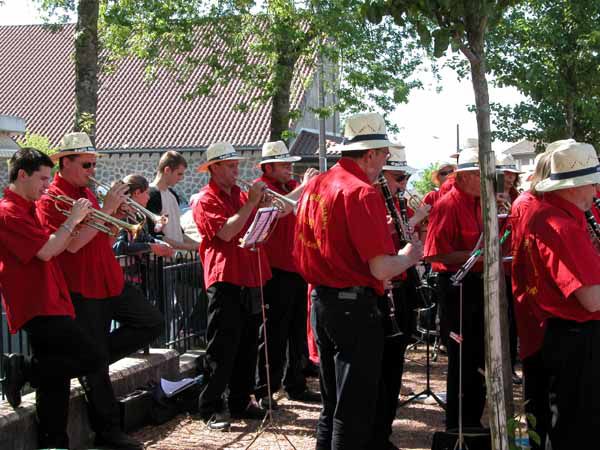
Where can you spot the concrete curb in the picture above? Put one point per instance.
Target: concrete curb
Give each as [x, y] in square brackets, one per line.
[18, 427]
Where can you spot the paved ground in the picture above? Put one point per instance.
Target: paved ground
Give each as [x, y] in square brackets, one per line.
[413, 428]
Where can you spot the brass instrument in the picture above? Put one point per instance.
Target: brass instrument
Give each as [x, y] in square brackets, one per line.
[279, 201]
[96, 219]
[139, 209]
[413, 201]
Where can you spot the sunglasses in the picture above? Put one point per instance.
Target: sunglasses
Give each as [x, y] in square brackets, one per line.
[401, 178]
[88, 165]
[445, 173]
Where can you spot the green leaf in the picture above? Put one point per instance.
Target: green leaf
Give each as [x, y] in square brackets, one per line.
[531, 420]
[441, 40]
[534, 437]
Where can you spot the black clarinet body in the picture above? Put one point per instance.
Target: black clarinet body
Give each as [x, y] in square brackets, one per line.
[593, 225]
[413, 277]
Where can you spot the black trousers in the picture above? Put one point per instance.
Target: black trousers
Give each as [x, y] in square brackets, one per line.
[285, 294]
[535, 380]
[473, 358]
[139, 324]
[349, 335]
[572, 356]
[232, 334]
[61, 350]
[392, 366]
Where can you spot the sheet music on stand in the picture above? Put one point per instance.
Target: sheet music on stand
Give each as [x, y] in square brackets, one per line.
[260, 227]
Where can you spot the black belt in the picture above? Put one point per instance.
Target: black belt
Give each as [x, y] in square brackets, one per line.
[348, 293]
[563, 324]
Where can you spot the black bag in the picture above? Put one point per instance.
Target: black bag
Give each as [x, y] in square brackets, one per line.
[134, 409]
[475, 439]
[165, 408]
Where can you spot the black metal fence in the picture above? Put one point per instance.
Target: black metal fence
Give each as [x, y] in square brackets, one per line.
[174, 285]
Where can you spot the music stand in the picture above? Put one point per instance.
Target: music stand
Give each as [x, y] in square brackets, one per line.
[257, 234]
[427, 392]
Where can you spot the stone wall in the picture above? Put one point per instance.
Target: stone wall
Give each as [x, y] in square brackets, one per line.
[118, 165]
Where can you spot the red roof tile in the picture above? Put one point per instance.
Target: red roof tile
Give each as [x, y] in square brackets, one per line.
[37, 82]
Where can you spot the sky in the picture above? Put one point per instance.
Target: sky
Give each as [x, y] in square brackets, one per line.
[427, 122]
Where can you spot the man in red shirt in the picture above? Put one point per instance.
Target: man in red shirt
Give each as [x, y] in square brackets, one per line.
[455, 225]
[61, 349]
[95, 281]
[556, 268]
[285, 292]
[232, 276]
[439, 177]
[345, 250]
[397, 173]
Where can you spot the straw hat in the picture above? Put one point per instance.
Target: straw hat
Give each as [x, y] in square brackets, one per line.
[397, 161]
[557, 144]
[440, 165]
[365, 131]
[77, 143]
[277, 151]
[572, 164]
[468, 160]
[217, 152]
[507, 164]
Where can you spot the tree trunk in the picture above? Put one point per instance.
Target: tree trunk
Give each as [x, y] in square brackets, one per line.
[495, 373]
[570, 116]
[86, 67]
[280, 112]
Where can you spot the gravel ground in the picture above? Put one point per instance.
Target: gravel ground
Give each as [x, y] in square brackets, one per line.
[413, 428]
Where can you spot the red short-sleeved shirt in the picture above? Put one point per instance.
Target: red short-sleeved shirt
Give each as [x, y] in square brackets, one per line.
[555, 257]
[340, 226]
[93, 271]
[30, 287]
[280, 244]
[530, 329]
[432, 197]
[455, 224]
[226, 261]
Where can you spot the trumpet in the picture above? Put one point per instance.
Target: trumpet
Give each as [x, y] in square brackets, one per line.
[413, 201]
[279, 201]
[139, 209]
[96, 219]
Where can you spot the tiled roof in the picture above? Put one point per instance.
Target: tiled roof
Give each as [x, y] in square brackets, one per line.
[523, 147]
[37, 82]
[307, 143]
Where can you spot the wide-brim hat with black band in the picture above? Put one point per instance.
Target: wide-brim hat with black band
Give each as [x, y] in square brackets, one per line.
[77, 143]
[507, 164]
[217, 152]
[572, 164]
[365, 131]
[468, 160]
[397, 161]
[277, 151]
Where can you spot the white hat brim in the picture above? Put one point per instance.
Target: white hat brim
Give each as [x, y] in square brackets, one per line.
[468, 169]
[204, 167]
[280, 160]
[407, 169]
[365, 145]
[549, 185]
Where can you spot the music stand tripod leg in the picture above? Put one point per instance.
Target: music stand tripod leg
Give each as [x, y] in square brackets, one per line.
[268, 423]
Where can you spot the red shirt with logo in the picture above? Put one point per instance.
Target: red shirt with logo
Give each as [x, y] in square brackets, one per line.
[30, 287]
[280, 244]
[530, 329]
[93, 271]
[226, 261]
[340, 226]
[455, 224]
[554, 257]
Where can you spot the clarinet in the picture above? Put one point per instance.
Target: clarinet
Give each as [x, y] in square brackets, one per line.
[411, 272]
[593, 226]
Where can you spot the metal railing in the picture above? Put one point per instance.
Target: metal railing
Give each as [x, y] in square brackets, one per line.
[174, 285]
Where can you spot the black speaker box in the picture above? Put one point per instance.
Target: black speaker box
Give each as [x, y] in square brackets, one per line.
[474, 438]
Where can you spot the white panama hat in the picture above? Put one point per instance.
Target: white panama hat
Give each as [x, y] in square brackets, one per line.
[468, 160]
[397, 161]
[277, 151]
[77, 143]
[507, 164]
[365, 131]
[572, 164]
[217, 152]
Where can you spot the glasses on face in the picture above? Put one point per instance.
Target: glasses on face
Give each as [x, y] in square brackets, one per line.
[445, 173]
[401, 178]
[88, 165]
